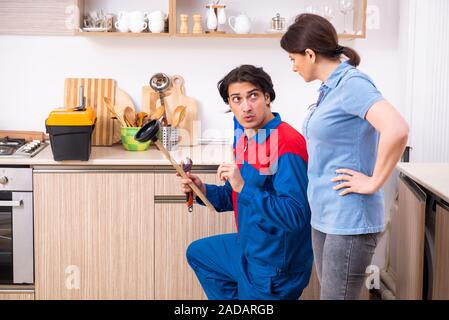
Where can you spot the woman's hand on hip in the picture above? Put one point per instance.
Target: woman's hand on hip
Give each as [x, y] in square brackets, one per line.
[354, 182]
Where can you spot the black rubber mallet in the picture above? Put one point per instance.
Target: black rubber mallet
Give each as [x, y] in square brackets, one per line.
[149, 132]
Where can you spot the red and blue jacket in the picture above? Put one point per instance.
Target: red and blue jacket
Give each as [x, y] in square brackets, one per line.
[272, 213]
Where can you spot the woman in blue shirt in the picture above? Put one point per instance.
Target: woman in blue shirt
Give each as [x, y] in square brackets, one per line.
[354, 140]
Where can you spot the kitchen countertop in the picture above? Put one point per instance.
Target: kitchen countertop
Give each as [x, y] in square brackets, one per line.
[116, 155]
[432, 176]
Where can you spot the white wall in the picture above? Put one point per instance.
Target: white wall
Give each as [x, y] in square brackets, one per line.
[33, 69]
[425, 50]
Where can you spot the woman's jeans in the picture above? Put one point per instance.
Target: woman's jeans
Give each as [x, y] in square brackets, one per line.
[341, 263]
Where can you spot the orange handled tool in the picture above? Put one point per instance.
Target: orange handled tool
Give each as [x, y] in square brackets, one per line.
[187, 167]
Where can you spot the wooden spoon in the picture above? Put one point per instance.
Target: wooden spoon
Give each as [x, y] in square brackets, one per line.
[158, 113]
[178, 115]
[108, 105]
[130, 116]
[140, 117]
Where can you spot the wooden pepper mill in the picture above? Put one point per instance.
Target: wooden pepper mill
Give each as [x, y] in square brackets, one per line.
[184, 23]
[197, 27]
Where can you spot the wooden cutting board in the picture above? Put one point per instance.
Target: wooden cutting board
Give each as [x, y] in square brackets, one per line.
[174, 97]
[150, 98]
[94, 91]
[122, 100]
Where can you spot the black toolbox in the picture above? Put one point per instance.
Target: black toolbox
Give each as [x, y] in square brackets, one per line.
[70, 133]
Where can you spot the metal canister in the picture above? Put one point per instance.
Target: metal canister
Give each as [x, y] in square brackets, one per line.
[277, 23]
[169, 137]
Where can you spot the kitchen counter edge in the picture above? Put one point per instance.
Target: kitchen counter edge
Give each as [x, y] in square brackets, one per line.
[432, 176]
[116, 156]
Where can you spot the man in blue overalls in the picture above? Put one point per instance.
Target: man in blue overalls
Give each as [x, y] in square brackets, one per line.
[271, 255]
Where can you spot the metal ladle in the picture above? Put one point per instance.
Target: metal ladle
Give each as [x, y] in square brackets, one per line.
[149, 132]
[160, 82]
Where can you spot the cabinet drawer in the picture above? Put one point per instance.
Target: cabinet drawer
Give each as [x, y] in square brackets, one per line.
[168, 184]
[16, 295]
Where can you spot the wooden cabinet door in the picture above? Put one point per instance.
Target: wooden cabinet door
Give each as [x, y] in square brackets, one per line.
[94, 235]
[410, 236]
[175, 229]
[441, 276]
[39, 17]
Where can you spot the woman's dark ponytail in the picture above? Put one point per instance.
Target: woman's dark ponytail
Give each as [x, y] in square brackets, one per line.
[354, 57]
[310, 31]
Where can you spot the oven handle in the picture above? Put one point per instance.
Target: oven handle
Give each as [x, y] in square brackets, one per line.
[17, 203]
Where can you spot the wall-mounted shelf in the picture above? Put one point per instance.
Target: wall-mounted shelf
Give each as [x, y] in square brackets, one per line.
[114, 6]
[65, 17]
[228, 35]
[356, 19]
[120, 34]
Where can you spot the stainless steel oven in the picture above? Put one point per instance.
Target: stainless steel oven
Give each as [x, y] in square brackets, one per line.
[16, 226]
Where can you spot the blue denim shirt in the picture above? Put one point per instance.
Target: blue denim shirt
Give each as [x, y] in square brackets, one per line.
[338, 136]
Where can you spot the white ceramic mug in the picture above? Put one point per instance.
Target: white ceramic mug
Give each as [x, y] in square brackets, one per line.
[156, 26]
[137, 26]
[136, 16]
[156, 15]
[122, 23]
[137, 21]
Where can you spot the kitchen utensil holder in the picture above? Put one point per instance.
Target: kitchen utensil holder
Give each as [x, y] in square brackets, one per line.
[169, 137]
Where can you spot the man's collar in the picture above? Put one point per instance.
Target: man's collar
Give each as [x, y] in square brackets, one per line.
[265, 131]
